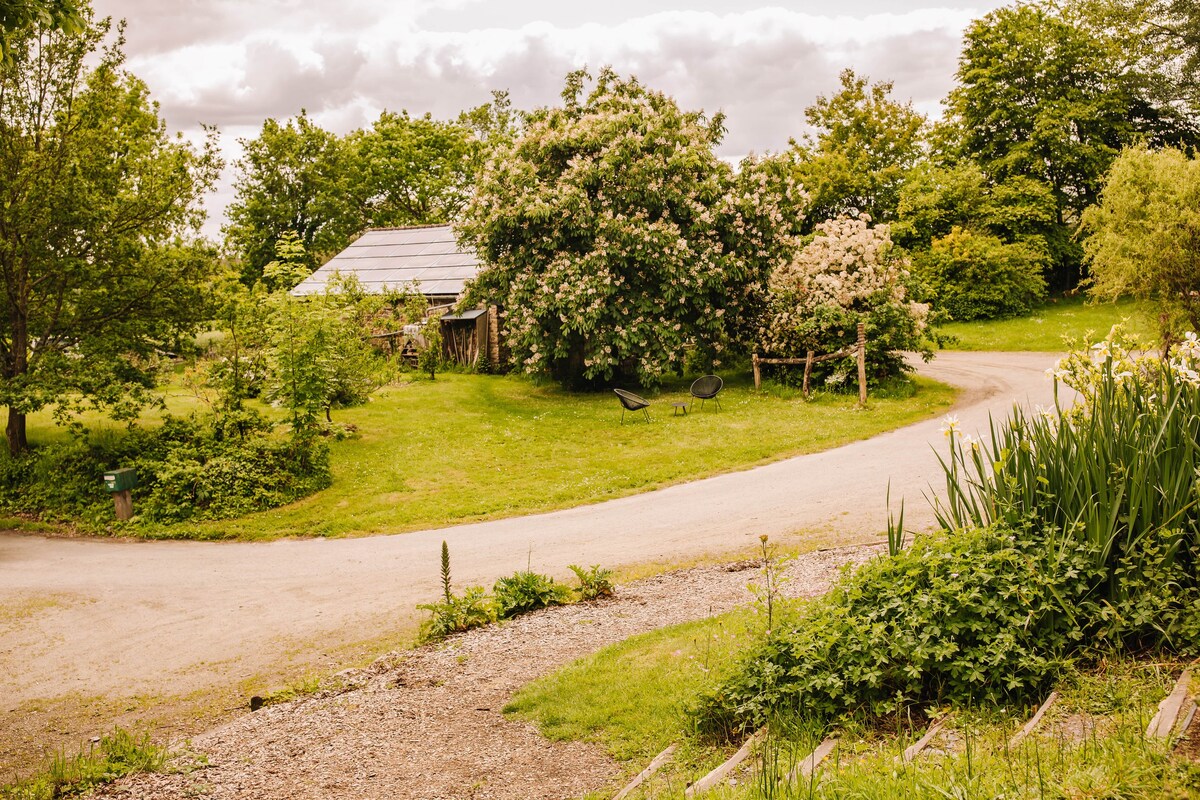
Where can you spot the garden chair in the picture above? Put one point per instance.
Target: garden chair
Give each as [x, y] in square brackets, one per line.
[632, 402]
[707, 388]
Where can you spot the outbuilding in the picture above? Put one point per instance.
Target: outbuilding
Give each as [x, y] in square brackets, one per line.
[429, 260]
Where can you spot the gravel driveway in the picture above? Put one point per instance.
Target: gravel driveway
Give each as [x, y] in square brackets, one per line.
[81, 618]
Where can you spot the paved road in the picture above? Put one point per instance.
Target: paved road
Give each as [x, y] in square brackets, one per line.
[114, 617]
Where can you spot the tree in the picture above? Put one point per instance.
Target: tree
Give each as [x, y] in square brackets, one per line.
[99, 207]
[1044, 96]
[866, 143]
[292, 177]
[614, 237]
[18, 15]
[1144, 236]
[412, 170]
[849, 273]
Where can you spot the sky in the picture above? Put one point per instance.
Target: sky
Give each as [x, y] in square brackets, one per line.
[234, 63]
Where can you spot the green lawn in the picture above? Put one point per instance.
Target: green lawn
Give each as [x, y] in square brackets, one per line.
[1051, 326]
[470, 447]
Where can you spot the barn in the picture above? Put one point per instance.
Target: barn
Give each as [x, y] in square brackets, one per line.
[428, 259]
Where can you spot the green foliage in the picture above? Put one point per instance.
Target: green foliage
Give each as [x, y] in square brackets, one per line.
[118, 754]
[525, 591]
[971, 275]
[865, 144]
[101, 270]
[18, 15]
[1115, 475]
[1088, 540]
[848, 273]
[429, 354]
[291, 264]
[289, 181]
[1046, 93]
[187, 469]
[474, 608]
[594, 583]
[1144, 236]
[614, 237]
[985, 615]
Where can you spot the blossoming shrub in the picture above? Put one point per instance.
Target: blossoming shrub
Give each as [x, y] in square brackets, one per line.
[1071, 532]
[614, 238]
[848, 273]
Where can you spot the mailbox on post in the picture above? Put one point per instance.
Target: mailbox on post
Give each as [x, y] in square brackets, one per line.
[120, 482]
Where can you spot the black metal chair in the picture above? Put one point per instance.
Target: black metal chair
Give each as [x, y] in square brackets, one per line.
[631, 402]
[707, 388]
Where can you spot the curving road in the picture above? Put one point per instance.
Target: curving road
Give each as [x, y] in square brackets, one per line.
[102, 617]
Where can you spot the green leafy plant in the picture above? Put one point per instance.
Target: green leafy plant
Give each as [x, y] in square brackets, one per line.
[594, 583]
[458, 613]
[988, 615]
[525, 591]
[446, 572]
[117, 754]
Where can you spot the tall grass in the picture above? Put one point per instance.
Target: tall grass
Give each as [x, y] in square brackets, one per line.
[1117, 473]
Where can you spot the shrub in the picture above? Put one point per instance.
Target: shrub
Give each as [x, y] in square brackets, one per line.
[594, 583]
[986, 615]
[972, 275]
[847, 274]
[186, 468]
[1116, 473]
[525, 591]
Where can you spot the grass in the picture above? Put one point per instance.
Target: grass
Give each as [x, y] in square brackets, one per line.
[629, 698]
[466, 448]
[1049, 328]
[115, 755]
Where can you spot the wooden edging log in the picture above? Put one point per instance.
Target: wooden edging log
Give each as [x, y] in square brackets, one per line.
[645, 774]
[1033, 722]
[913, 750]
[717, 775]
[1164, 720]
[809, 765]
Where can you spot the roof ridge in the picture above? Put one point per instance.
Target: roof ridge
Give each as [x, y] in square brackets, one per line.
[410, 227]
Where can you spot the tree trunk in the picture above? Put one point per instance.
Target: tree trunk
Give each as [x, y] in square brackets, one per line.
[15, 432]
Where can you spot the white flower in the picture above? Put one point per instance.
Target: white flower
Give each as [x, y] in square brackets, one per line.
[949, 425]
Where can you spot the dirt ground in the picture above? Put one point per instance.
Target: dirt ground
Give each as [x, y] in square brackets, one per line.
[100, 632]
[427, 724]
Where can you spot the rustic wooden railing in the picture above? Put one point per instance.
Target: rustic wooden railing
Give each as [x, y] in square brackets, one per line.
[859, 349]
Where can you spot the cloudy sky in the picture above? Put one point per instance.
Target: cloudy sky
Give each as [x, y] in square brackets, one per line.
[233, 63]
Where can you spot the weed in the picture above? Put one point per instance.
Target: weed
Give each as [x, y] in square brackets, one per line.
[525, 591]
[594, 582]
[115, 755]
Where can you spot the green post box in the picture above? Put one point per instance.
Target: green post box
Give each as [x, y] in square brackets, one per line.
[120, 480]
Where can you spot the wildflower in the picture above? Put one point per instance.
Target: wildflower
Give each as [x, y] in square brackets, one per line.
[949, 425]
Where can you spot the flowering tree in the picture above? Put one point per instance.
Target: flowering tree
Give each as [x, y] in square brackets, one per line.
[847, 274]
[614, 238]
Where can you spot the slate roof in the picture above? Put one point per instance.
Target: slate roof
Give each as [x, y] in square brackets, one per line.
[427, 255]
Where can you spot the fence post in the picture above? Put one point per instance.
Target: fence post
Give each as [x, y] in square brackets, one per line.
[757, 374]
[808, 362]
[862, 363]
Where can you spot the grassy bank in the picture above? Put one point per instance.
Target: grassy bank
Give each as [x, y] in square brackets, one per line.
[468, 447]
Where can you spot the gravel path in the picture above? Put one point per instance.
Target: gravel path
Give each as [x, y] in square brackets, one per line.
[93, 618]
[426, 724]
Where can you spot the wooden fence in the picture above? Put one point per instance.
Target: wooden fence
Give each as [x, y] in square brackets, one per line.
[859, 349]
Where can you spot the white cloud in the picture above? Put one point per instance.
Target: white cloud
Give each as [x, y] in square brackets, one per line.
[233, 64]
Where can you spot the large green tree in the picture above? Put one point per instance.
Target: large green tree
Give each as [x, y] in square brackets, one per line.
[1045, 96]
[292, 177]
[864, 145]
[99, 206]
[1145, 236]
[614, 238]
